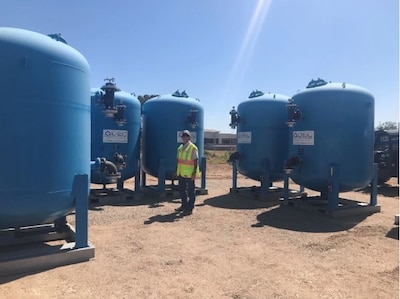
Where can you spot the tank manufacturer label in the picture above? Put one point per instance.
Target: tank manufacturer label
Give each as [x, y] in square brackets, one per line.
[244, 137]
[115, 136]
[303, 137]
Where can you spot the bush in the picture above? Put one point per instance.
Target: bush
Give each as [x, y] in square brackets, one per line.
[217, 157]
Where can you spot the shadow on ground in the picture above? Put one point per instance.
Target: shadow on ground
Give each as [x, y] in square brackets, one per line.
[229, 201]
[286, 217]
[393, 233]
[289, 218]
[127, 197]
[172, 217]
[384, 189]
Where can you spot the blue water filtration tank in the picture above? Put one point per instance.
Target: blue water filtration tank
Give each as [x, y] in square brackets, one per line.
[116, 121]
[164, 118]
[262, 136]
[386, 154]
[331, 125]
[44, 124]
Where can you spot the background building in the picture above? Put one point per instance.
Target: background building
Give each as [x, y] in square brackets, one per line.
[214, 140]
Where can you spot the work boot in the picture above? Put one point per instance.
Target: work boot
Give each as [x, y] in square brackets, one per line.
[187, 212]
[180, 209]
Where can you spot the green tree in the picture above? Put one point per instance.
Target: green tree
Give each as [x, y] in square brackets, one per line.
[387, 125]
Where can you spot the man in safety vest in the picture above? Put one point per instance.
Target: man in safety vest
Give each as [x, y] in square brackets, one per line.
[187, 170]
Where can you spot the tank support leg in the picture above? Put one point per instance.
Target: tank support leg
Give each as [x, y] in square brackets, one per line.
[80, 192]
[120, 184]
[61, 222]
[161, 176]
[333, 187]
[234, 176]
[203, 173]
[143, 182]
[374, 188]
[265, 180]
[285, 187]
[137, 177]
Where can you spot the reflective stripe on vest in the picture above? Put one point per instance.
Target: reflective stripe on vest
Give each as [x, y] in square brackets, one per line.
[185, 165]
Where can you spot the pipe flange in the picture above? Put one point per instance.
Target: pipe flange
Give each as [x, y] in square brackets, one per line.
[113, 177]
[110, 112]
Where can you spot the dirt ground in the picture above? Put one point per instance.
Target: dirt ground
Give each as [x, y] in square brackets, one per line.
[232, 246]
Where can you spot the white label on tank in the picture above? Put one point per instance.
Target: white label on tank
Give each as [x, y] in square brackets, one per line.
[193, 136]
[303, 138]
[244, 137]
[115, 136]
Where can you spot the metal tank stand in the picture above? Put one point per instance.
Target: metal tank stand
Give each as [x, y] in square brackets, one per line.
[120, 194]
[265, 180]
[331, 204]
[161, 189]
[289, 193]
[265, 192]
[164, 190]
[138, 178]
[202, 190]
[136, 187]
[43, 247]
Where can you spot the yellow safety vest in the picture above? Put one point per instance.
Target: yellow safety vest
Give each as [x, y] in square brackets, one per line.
[185, 167]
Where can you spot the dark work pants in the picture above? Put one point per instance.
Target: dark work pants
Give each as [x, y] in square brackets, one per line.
[187, 193]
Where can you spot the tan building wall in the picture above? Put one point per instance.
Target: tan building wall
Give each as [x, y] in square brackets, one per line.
[214, 140]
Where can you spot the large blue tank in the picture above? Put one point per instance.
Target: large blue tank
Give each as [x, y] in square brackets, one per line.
[116, 120]
[44, 126]
[262, 136]
[332, 125]
[386, 154]
[164, 118]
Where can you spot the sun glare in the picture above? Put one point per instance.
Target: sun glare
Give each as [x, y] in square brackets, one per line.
[245, 52]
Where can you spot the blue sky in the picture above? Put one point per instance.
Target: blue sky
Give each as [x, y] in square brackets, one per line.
[219, 51]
